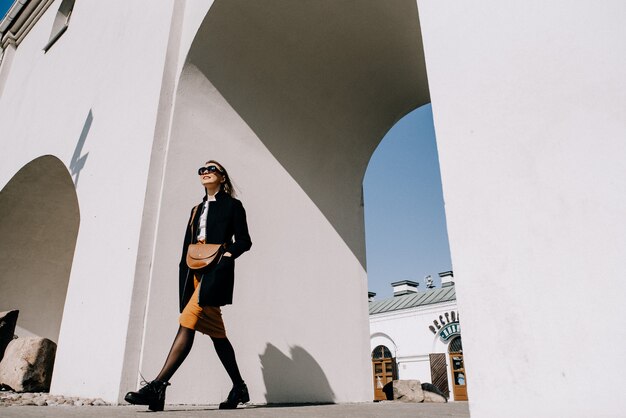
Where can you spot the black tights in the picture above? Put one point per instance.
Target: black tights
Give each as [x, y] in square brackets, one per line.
[226, 353]
[182, 346]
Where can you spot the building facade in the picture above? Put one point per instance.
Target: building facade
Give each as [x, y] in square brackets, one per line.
[416, 335]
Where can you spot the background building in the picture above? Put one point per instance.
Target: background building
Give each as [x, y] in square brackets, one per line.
[417, 335]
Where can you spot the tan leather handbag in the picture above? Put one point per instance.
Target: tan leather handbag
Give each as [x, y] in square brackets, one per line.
[202, 255]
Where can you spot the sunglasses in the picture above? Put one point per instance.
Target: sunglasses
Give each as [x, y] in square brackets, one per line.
[210, 169]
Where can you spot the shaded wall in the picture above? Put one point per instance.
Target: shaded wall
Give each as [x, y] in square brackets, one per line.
[39, 221]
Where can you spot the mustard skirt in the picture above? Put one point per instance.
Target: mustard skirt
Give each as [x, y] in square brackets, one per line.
[207, 320]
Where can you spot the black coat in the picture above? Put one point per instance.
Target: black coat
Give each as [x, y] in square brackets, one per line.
[226, 218]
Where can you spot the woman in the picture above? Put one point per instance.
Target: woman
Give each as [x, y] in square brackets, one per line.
[216, 220]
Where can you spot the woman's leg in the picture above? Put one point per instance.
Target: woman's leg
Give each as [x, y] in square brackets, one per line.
[226, 353]
[153, 393]
[239, 393]
[178, 353]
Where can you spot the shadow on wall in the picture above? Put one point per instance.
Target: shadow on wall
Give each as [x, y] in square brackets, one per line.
[298, 379]
[78, 161]
[332, 76]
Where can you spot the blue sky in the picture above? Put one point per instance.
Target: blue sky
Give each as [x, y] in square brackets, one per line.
[4, 6]
[405, 225]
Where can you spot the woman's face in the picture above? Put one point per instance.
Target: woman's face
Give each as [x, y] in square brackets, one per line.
[211, 176]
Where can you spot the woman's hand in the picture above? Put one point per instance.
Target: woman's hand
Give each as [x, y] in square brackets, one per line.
[226, 258]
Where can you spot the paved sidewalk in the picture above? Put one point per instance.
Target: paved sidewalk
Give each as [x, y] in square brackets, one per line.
[360, 410]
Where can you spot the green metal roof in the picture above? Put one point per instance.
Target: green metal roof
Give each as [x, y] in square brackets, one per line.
[443, 294]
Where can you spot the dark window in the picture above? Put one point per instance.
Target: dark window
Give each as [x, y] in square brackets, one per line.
[381, 352]
[455, 346]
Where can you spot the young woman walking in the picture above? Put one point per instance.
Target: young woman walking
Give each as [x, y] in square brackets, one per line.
[202, 291]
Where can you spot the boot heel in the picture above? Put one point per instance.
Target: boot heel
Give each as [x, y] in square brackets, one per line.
[238, 394]
[157, 405]
[245, 398]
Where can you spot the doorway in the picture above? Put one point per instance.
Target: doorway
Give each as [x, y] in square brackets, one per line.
[384, 369]
[459, 375]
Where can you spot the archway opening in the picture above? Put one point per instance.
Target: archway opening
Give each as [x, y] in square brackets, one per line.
[405, 225]
[39, 220]
[407, 243]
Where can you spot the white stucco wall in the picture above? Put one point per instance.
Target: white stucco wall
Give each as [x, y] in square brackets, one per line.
[528, 104]
[288, 305]
[109, 62]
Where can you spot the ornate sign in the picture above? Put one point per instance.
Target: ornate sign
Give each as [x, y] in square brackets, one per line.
[446, 326]
[449, 330]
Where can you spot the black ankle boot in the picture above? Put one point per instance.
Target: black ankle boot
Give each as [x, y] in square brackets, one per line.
[238, 394]
[152, 394]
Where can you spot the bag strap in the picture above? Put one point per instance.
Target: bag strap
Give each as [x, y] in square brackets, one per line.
[193, 216]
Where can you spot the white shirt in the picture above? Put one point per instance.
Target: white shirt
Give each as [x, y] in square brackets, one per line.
[205, 209]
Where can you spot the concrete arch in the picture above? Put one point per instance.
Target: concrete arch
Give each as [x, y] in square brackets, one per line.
[39, 219]
[293, 100]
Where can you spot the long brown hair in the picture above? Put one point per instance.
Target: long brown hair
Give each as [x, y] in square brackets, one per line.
[227, 186]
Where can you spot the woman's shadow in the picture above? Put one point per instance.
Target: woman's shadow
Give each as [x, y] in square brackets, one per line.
[295, 380]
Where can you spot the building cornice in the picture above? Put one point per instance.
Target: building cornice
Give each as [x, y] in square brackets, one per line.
[20, 19]
[11, 14]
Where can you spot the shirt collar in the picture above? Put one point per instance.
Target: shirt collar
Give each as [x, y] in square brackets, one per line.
[217, 196]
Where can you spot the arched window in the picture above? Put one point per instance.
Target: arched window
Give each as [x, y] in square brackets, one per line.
[455, 346]
[381, 352]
